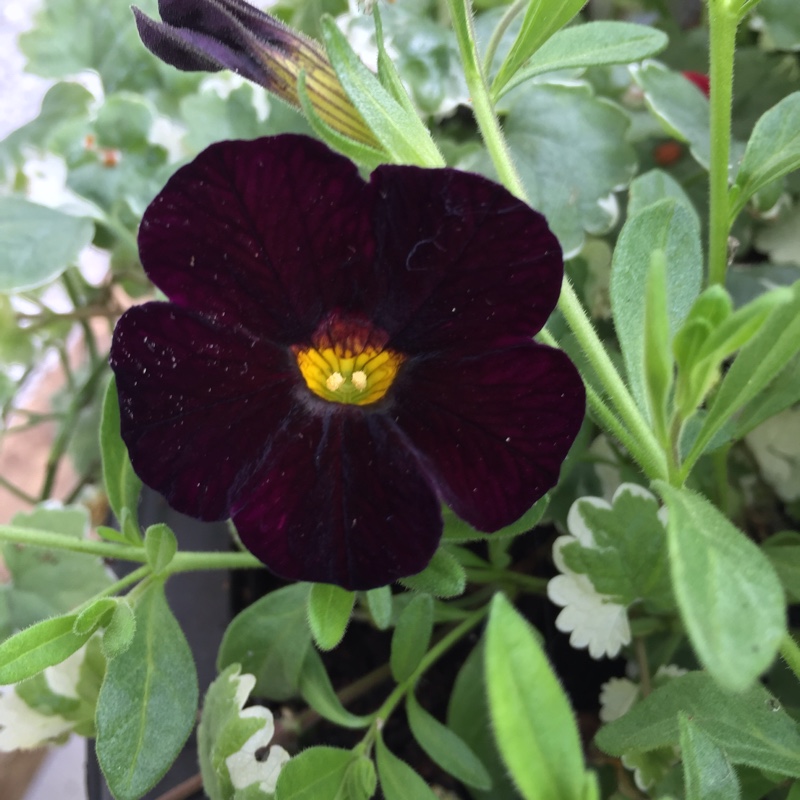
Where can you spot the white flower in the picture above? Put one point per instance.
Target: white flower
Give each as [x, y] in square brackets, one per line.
[23, 727]
[774, 444]
[617, 697]
[245, 768]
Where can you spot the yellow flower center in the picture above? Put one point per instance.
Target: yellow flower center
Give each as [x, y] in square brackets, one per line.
[348, 363]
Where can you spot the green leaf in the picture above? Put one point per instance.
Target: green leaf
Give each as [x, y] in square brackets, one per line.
[629, 560]
[782, 392]
[779, 23]
[361, 781]
[678, 104]
[387, 71]
[360, 153]
[773, 150]
[650, 187]
[398, 780]
[379, 602]
[758, 363]
[542, 19]
[402, 134]
[658, 361]
[730, 599]
[148, 701]
[225, 729]
[46, 583]
[124, 121]
[590, 45]
[443, 577]
[670, 227]
[783, 551]
[329, 609]
[316, 689]
[270, 639]
[42, 645]
[707, 773]
[750, 727]
[37, 243]
[118, 636]
[411, 637]
[123, 486]
[160, 545]
[315, 774]
[468, 716]
[457, 530]
[96, 615]
[533, 722]
[572, 154]
[445, 747]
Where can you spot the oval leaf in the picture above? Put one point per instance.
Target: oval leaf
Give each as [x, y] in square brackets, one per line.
[533, 722]
[379, 602]
[707, 773]
[315, 774]
[443, 577]
[411, 636]
[398, 780]
[160, 545]
[329, 609]
[730, 598]
[446, 748]
[37, 243]
[148, 701]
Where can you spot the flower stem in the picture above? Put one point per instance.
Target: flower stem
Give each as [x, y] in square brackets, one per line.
[461, 16]
[497, 34]
[723, 21]
[428, 660]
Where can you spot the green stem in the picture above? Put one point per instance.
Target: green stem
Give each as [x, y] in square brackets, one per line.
[651, 455]
[461, 16]
[497, 34]
[791, 654]
[11, 488]
[69, 282]
[723, 21]
[428, 660]
[527, 583]
[188, 562]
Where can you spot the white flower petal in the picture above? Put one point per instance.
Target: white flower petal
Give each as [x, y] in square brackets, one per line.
[22, 728]
[617, 696]
[63, 678]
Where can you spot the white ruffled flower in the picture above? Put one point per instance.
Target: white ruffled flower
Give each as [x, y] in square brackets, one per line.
[617, 697]
[592, 619]
[245, 768]
[23, 727]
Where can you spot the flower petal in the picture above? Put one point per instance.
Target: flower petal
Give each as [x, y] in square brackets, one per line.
[492, 429]
[199, 403]
[340, 500]
[460, 260]
[270, 233]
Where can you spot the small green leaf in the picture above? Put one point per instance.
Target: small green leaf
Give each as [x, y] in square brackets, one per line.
[590, 45]
[37, 243]
[542, 19]
[398, 780]
[387, 71]
[457, 530]
[270, 639]
[650, 187]
[379, 602]
[773, 150]
[780, 394]
[160, 545]
[533, 722]
[329, 609]
[730, 599]
[670, 227]
[96, 615]
[443, 577]
[118, 636]
[678, 104]
[750, 727]
[707, 773]
[148, 701]
[42, 645]
[783, 551]
[445, 747]
[402, 134]
[757, 364]
[124, 121]
[316, 689]
[778, 21]
[411, 637]
[361, 781]
[318, 773]
[122, 485]
[658, 362]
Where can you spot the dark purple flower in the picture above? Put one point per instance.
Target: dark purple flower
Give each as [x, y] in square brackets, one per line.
[210, 35]
[339, 357]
